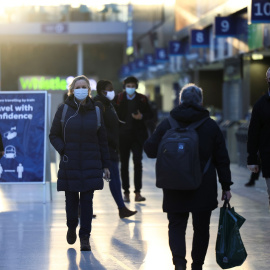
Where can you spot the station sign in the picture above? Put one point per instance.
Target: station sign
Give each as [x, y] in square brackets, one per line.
[200, 38]
[54, 28]
[177, 48]
[24, 135]
[161, 55]
[260, 11]
[230, 26]
[149, 60]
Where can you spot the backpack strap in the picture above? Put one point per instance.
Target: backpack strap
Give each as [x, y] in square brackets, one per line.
[173, 122]
[98, 117]
[64, 112]
[196, 124]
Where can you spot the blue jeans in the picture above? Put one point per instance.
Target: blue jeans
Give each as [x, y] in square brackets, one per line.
[115, 184]
[86, 204]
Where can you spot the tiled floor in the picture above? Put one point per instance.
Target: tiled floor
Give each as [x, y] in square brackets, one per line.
[32, 234]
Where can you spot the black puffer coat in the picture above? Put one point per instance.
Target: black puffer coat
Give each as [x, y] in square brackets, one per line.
[211, 143]
[82, 146]
[259, 135]
[111, 123]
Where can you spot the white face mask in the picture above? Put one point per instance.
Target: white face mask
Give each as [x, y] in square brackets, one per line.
[110, 95]
[81, 93]
[130, 91]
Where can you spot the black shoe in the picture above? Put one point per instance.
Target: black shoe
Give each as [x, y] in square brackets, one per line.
[125, 212]
[250, 183]
[126, 197]
[139, 197]
[85, 243]
[94, 216]
[71, 236]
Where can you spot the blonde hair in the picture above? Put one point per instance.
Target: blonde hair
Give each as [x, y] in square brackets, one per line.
[78, 78]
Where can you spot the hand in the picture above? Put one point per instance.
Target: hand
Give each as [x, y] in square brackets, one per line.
[106, 173]
[253, 168]
[137, 116]
[226, 195]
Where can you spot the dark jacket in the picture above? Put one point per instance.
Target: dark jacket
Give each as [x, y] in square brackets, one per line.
[82, 146]
[259, 135]
[211, 144]
[111, 123]
[141, 104]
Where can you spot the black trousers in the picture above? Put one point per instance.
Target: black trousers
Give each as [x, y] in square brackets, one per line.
[177, 241]
[85, 200]
[131, 144]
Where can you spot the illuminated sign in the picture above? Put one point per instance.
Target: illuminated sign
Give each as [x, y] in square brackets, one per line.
[48, 83]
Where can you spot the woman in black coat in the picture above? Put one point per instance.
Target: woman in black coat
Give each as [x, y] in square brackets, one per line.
[83, 148]
[202, 201]
[105, 94]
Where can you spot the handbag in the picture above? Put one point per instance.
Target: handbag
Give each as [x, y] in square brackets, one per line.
[230, 250]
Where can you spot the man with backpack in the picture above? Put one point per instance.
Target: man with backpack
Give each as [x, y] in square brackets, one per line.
[190, 149]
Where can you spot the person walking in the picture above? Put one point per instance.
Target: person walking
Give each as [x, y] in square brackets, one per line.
[133, 110]
[258, 136]
[178, 204]
[104, 97]
[83, 147]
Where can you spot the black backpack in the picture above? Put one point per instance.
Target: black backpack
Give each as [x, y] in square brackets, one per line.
[178, 162]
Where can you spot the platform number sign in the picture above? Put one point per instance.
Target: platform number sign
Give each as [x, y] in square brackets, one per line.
[200, 38]
[149, 59]
[161, 55]
[175, 48]
[260, 11]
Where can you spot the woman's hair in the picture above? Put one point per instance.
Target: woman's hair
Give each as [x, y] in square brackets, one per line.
[72, 85]
[191, 93]
[101, 85]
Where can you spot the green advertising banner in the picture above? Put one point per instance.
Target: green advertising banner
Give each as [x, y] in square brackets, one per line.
[43, 83]
[255, 36]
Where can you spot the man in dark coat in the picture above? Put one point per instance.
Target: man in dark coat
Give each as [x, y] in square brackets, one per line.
[133, 110]
[202, 201]
[258, 136]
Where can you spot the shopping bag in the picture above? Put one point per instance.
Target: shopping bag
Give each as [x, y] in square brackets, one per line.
[230, 250]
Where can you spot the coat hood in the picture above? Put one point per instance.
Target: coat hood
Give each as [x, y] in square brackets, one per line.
[189, 113]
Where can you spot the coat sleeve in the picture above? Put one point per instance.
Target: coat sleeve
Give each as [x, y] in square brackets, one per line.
[103, 144]
[147, 113]
[254, 132]
[55, 135]
[221, 161]
[152, 143]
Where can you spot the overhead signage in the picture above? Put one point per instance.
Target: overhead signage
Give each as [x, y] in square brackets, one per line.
[125, 71]
[177, 48]
[149, 60]
[54, 28]
[230, 26]
[260, 11]
[23, 129]
[140, 64]
[130, 48]
[200, 38]
[161, 55]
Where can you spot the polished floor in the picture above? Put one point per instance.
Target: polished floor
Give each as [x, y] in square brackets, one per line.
[32, 234]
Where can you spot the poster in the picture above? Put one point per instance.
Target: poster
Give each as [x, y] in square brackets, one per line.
[23, 130]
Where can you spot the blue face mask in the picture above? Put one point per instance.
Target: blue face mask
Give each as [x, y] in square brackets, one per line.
[130, 91]
[81, 93]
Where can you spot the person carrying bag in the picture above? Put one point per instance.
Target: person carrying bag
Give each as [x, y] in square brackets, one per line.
[230, 250]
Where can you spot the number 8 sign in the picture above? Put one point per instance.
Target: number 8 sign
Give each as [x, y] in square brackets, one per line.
[200, 38]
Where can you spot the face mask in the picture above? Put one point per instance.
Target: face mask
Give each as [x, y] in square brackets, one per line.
[110, 95]
[130, 91]
[81, 93]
